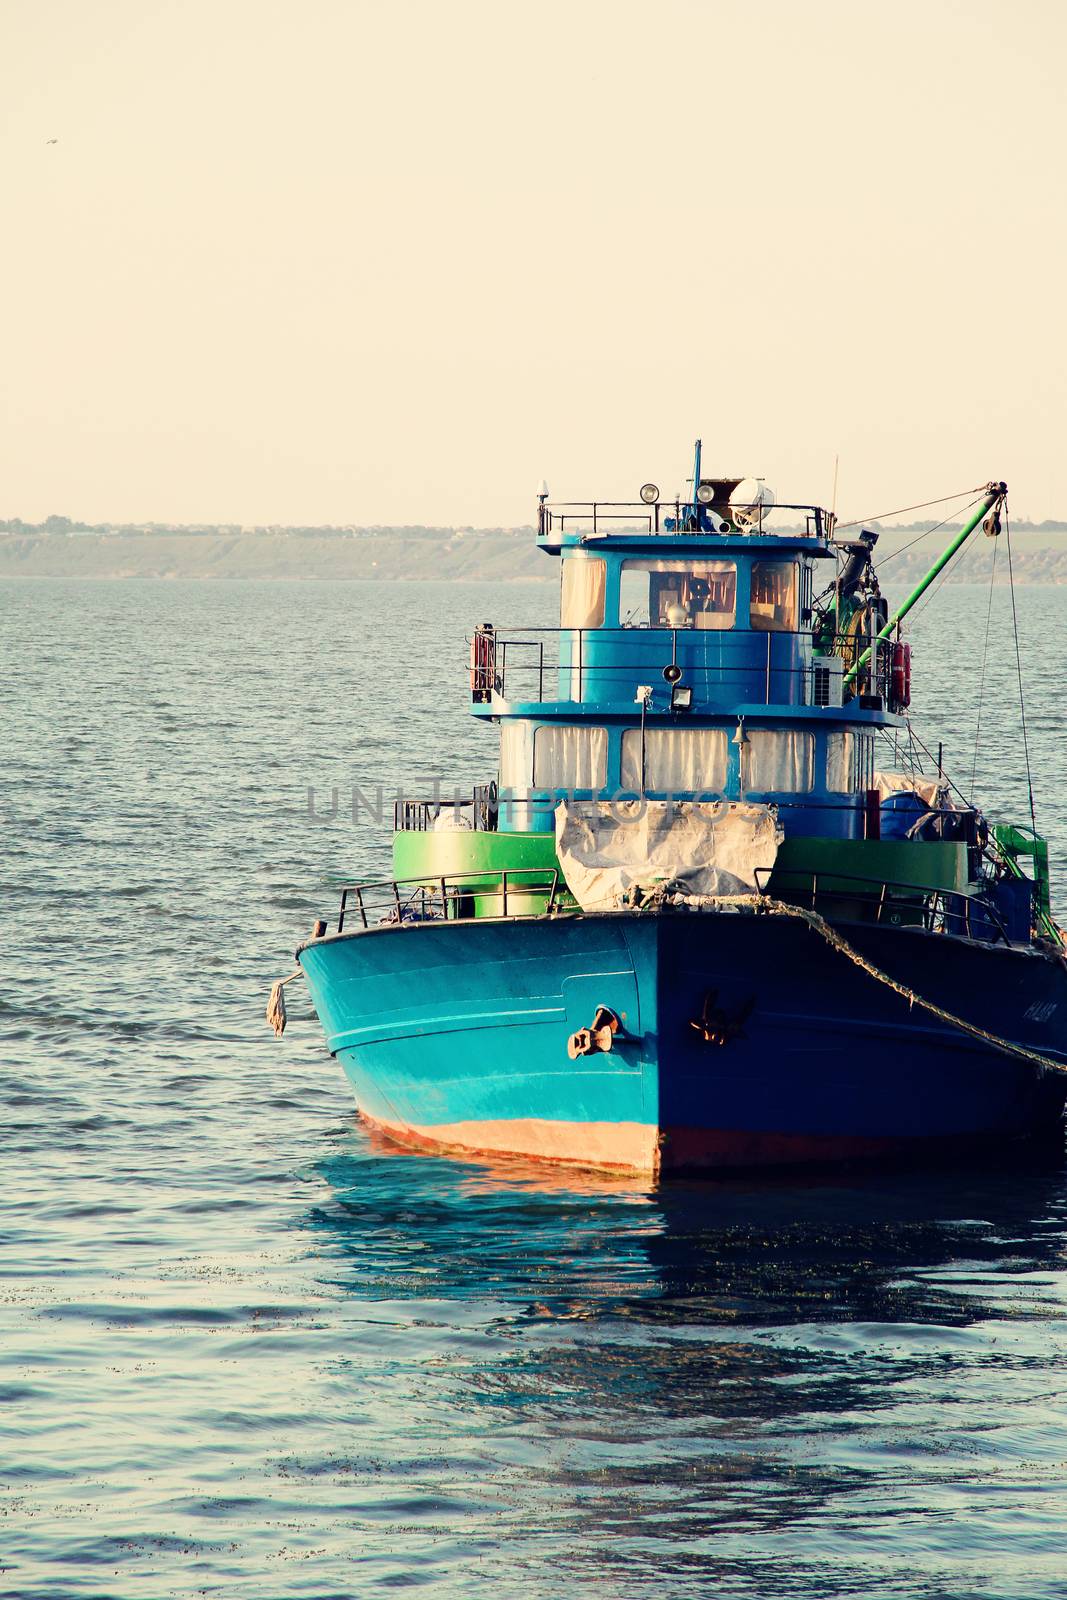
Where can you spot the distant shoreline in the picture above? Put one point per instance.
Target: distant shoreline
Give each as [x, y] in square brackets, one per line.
[414, 555]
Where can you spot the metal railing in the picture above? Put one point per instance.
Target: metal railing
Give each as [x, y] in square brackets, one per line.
[537, 891]
[637, 516]
[451, 897]
[933, 909]
[530, 656]
[479, 813]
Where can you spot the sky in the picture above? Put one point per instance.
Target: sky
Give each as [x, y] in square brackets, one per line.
[340, 261]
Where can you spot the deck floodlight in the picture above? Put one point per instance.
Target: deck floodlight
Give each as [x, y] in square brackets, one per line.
[672, 672]
[682, 697]
[705, 493]
[649, 493]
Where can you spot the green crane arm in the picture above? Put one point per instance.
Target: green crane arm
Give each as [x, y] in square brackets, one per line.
[994, 496]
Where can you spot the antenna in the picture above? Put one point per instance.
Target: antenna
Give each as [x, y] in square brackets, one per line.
[833, 502]
[696, 486]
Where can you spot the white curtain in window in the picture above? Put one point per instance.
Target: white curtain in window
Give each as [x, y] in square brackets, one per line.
[849, 762]
[584, 583]
[776, 762]
[864, 761]
[840, 763]
[570, 758]
[516, 756]
[677, 760]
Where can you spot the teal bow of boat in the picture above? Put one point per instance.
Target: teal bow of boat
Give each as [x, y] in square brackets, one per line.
[715, 906]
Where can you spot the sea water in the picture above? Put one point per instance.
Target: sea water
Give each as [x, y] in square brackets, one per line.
[246, 1351]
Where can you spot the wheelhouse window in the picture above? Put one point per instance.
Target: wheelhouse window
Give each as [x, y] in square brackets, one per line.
[773, 607]
[774, 761]
[584, 580]
[676, 760]
[677, 594]
[570, 758]
[849, 762]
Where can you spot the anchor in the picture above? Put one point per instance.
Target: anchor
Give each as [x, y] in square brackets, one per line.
[600, 1036]
[715, 1025]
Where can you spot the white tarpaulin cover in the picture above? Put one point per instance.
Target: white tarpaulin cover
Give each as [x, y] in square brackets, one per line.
[607, 848]
[932, 793]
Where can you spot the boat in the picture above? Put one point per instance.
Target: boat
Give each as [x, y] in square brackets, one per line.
[718, 906]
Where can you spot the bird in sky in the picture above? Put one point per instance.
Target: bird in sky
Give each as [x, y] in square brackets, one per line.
[51, 141]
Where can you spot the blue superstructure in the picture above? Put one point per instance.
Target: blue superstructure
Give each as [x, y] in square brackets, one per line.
[839, 960]
[742, 679]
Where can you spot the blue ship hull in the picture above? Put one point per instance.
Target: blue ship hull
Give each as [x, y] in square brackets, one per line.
[454, 1036]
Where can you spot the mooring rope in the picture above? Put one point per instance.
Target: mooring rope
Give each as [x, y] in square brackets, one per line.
[838, 942]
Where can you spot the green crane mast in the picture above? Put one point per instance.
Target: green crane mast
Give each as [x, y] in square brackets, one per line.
[991, 502]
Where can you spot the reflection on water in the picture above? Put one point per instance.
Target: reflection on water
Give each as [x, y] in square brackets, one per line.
[826, 1248]
[772, 1389]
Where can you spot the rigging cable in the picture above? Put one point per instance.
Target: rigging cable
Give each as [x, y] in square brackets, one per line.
[985, 658]
[952, 567]
[1019, 670]
[945, 498]
[924, 535]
